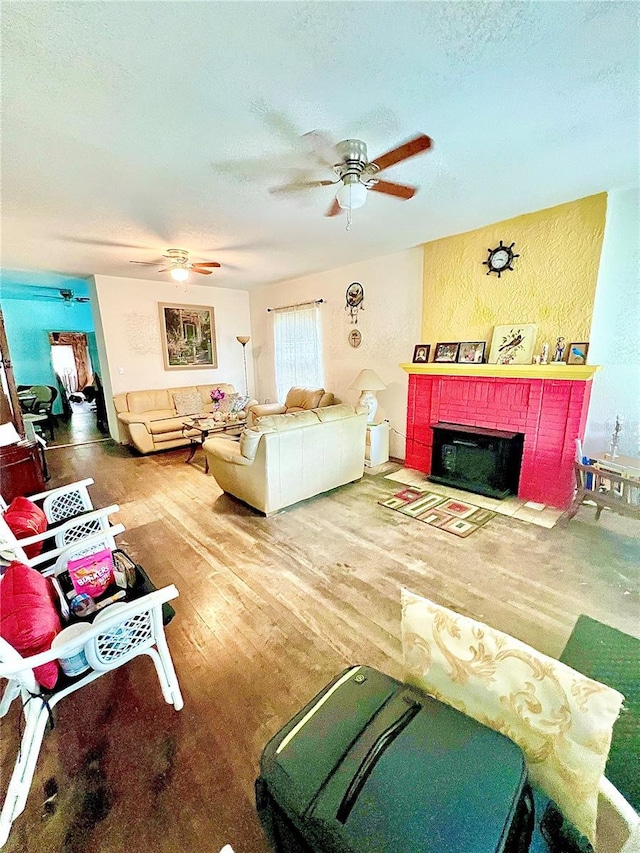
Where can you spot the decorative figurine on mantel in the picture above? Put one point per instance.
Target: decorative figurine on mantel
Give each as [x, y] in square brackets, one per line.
[544, 353]
[559, 353]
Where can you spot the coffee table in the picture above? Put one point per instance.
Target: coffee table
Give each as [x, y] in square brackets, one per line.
[203, 428]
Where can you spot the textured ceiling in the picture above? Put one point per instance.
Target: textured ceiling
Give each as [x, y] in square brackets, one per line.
[129, 128]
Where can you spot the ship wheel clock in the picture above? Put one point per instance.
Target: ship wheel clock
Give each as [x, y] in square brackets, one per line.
[354, 299]
[500, 259]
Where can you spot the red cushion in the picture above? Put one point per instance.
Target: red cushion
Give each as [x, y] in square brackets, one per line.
[24, 519]
[28, 617]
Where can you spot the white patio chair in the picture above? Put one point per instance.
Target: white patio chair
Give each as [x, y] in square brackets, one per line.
[82, 528]
[62, 502]
[134, 629]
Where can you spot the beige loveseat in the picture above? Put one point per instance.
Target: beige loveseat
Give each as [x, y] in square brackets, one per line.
[298, 399]
[287, 458]
[150, 420]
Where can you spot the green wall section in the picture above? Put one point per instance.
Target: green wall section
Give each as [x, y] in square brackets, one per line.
[28, 323]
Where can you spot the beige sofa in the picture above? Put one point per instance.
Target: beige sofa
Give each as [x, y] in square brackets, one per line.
[287, 458]
[149, 420]
[298, 399]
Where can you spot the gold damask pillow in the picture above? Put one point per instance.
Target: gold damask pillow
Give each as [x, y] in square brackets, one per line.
[561, 720]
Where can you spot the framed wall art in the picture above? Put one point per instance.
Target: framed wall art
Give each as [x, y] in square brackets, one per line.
[188, 336]
[513, 344]
[421, 353]
[446, 352]
[577, 353]
[471, 352]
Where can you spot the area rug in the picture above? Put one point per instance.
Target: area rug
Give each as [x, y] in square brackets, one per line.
[607, 655]
[449, 514]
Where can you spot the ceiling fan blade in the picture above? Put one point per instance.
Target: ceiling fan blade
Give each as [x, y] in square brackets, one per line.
[403, 152]
[82, 299]
[321, 147]
[207, 264]
[147, 263]
[164, 269]
[299, 186]
[202, 272]
[335, 209]
[397, 190]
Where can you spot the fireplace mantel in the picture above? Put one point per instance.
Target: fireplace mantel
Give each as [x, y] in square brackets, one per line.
[571, 372]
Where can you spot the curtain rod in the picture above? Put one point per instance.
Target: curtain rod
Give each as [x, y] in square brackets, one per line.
[298, 305]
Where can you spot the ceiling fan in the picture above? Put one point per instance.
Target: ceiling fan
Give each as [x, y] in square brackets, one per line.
[357, 174]
[178, 264]
[68, 296]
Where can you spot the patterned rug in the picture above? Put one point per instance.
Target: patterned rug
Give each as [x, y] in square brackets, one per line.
[454, 516]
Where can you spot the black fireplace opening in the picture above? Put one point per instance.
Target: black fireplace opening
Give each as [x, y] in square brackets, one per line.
[484, 461]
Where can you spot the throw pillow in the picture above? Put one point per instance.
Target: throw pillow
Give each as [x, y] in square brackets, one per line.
[187, 402]
[25, 519]
[28, 617]
[560, 719]
[238, 403]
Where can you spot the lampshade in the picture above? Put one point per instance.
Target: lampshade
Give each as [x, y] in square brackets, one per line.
[367, 380]
[243, 339]
[179, 273]
[351, 196]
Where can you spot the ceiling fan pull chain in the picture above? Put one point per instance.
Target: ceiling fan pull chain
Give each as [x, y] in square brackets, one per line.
[349, 219]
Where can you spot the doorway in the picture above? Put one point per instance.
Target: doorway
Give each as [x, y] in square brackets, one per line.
[77, 382]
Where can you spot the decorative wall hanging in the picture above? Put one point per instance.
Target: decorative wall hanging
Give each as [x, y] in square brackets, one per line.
[354, 300]
[188, 336]
[513, 344]
[355, 338]
[500, 259]
[421, 353]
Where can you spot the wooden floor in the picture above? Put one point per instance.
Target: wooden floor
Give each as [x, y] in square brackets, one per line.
[79, 428]
[269, 611]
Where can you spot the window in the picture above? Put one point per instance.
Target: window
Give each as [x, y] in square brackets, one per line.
[298, 348]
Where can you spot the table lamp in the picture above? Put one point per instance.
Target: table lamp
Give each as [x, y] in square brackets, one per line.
[368, 382]
[244, 340]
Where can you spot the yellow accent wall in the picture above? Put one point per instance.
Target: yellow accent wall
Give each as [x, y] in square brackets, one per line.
[553, 281]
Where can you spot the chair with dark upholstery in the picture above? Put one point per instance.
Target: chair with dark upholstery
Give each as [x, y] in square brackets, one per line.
[41, 411]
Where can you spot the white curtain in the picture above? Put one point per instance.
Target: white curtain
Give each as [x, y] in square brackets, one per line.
[298, 348]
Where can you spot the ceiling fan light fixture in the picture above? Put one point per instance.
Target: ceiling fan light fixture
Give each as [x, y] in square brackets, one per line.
[352, 195]
[179, 274]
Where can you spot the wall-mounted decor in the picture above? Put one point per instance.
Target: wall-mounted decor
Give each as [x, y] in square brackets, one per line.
[354, 299]
[577, 353]
[513, 344]
[421, 353]
[446, 352]
[471, 352]
[500, 259]
[188, 336]
[355, 338]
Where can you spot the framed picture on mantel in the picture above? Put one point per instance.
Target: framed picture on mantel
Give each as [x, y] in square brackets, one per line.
[513, 344]
[446, 352]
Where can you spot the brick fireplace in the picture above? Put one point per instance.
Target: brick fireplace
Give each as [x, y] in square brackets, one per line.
[547, 404]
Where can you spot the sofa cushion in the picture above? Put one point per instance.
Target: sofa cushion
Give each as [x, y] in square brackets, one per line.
[145, 401]
[187, 402]
[249, 441]
[304, 398]
[290, 420]
[337, 412]
[560, 719]
[146, 418]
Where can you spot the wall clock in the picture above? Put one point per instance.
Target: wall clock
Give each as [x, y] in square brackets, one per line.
[354, 299]
[355, 338]
[500, 259]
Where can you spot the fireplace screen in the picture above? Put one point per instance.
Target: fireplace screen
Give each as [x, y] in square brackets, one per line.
[484, 461]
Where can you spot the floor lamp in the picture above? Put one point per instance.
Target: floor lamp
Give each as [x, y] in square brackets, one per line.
[244, 340]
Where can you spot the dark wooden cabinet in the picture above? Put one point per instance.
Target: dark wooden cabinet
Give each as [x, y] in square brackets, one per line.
[21, 470]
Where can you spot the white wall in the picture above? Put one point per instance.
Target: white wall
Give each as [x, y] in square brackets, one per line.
[127, 322]
[615, 330]
[390, 325]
